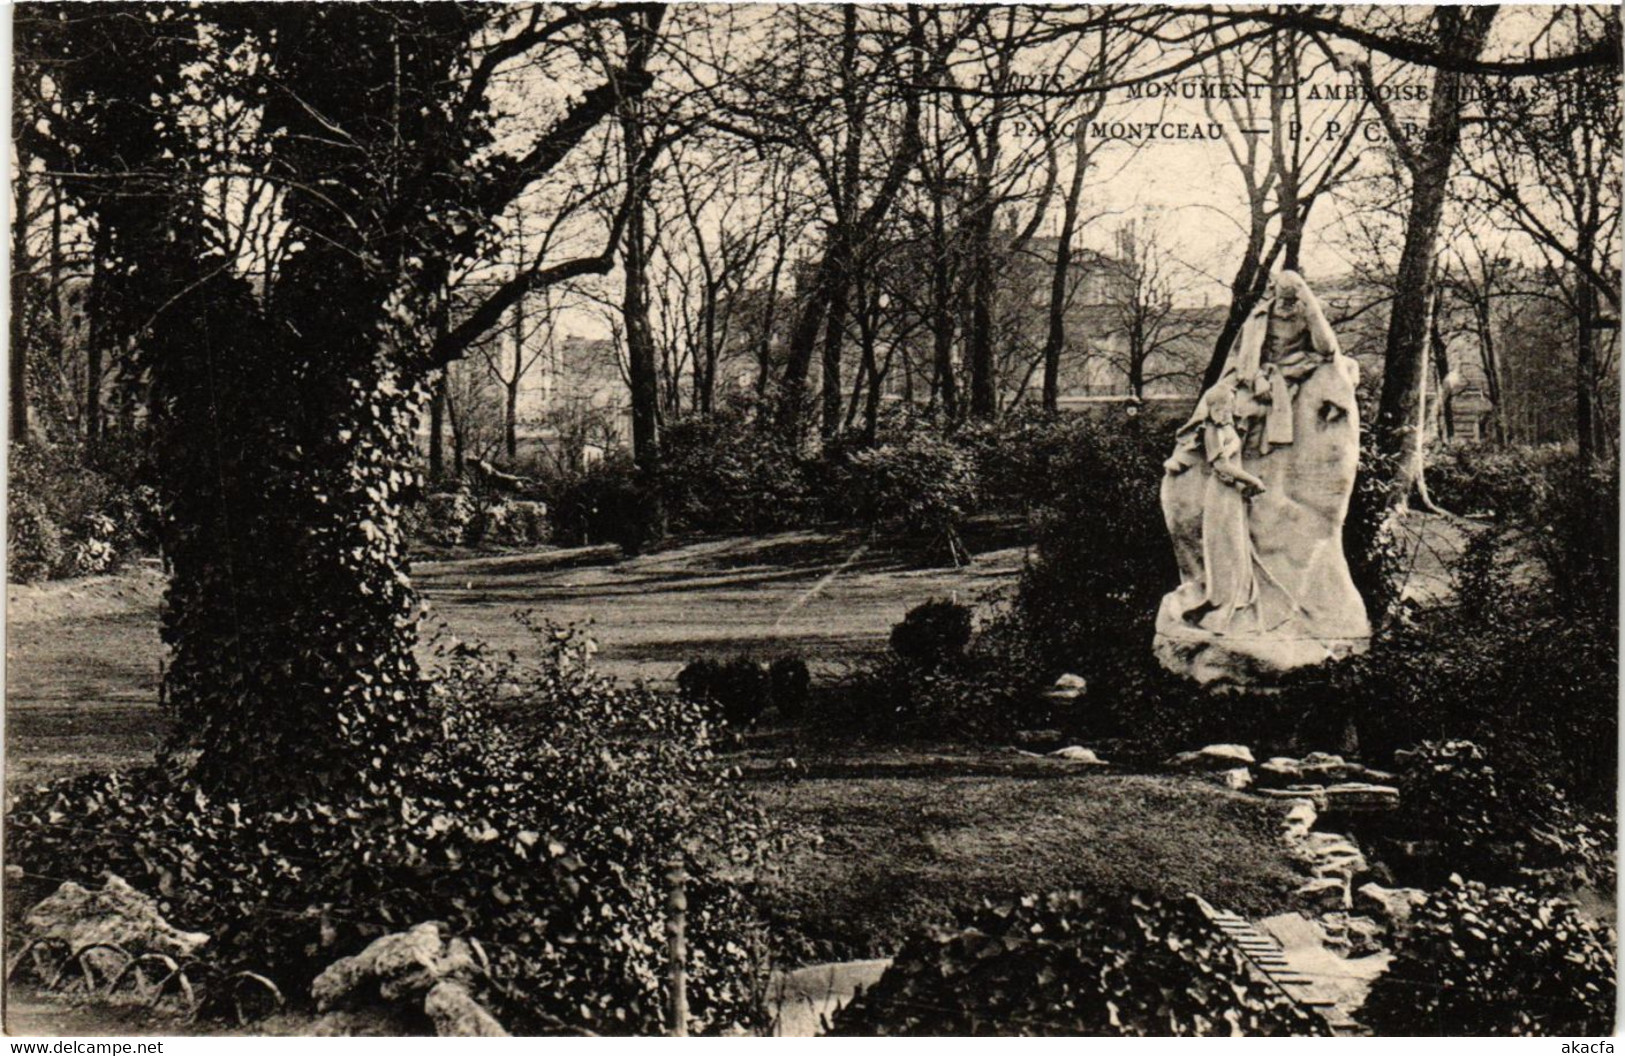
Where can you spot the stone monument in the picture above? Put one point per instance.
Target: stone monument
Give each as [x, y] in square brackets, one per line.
[1255, 495]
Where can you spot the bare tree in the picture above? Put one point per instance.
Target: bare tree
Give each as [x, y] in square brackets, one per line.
[1147, 328]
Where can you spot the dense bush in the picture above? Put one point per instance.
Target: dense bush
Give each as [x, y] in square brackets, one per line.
[735, 691]
[991, 690]
[545, 837]
[732, 471]
[933, 635]
[444, 518]
[1496, 961]
[77, 511]
[1489, 480]
[1499, 830]
[1103, 556]
[1068, 964]
[514, 522]
[919, 485]
[609, 502]
[790, 685]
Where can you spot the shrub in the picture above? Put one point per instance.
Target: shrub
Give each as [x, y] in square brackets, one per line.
[1496, 961]
[545, 837]
[732, 471]
[1067, 964]
[77, 511]
[990, 689]
[610, 502]
[919, 485]
[1495, 829]
[34, 548]
[514, 522]
[933, 635]
[735, 691]
[790, 685]
[1489, 480]
[444, 518]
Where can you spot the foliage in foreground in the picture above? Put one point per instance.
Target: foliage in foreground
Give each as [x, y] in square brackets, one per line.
[1067, 964]
[1500, 831]
[545, 837]
[1496, 961]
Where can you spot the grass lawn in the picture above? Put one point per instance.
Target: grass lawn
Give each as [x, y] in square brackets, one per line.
[880, 856]
[885, 839]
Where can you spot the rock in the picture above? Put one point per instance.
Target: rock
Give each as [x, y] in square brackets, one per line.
[1078, 754]
[1322, 894]
[1279, 772]
[1392, 905]
[1237, 779]
[1067, 687]
[1359, 936]
[1322, 759]
[1333, 855]
[402, 965]
[457, 1015]
[1213, 757]
[1300, 819]
[118, 914]
[1355, 796]
[1314, 797]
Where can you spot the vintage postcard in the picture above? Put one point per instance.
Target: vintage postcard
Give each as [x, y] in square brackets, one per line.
[826, 519]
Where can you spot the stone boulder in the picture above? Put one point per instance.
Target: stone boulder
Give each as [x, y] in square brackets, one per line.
[1067, 688]
[1078, 754]
[1299, 820]
[398, 980]
[1391, 905]
[1236, 779]
[117, 914]
[403, 965]
[1213, 757]
[1333, 855]
[1279, 772]
[1322, 894]
[456, 1014]
[1360, 797]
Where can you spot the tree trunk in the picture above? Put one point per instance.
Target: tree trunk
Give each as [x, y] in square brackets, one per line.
[640, 347]
[437, 427]
[1585, 364]
[984, 385]
[1055, 337]
[22, 293]
[95, 340]
[943, 382]
[1398, 433]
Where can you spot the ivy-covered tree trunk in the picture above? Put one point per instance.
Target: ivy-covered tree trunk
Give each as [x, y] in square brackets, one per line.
[284, 403]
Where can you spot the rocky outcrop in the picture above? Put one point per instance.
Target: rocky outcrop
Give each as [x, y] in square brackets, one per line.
[397, 977]
[117, 915]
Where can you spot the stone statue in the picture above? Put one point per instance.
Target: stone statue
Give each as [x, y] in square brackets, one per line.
[1255, 495]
